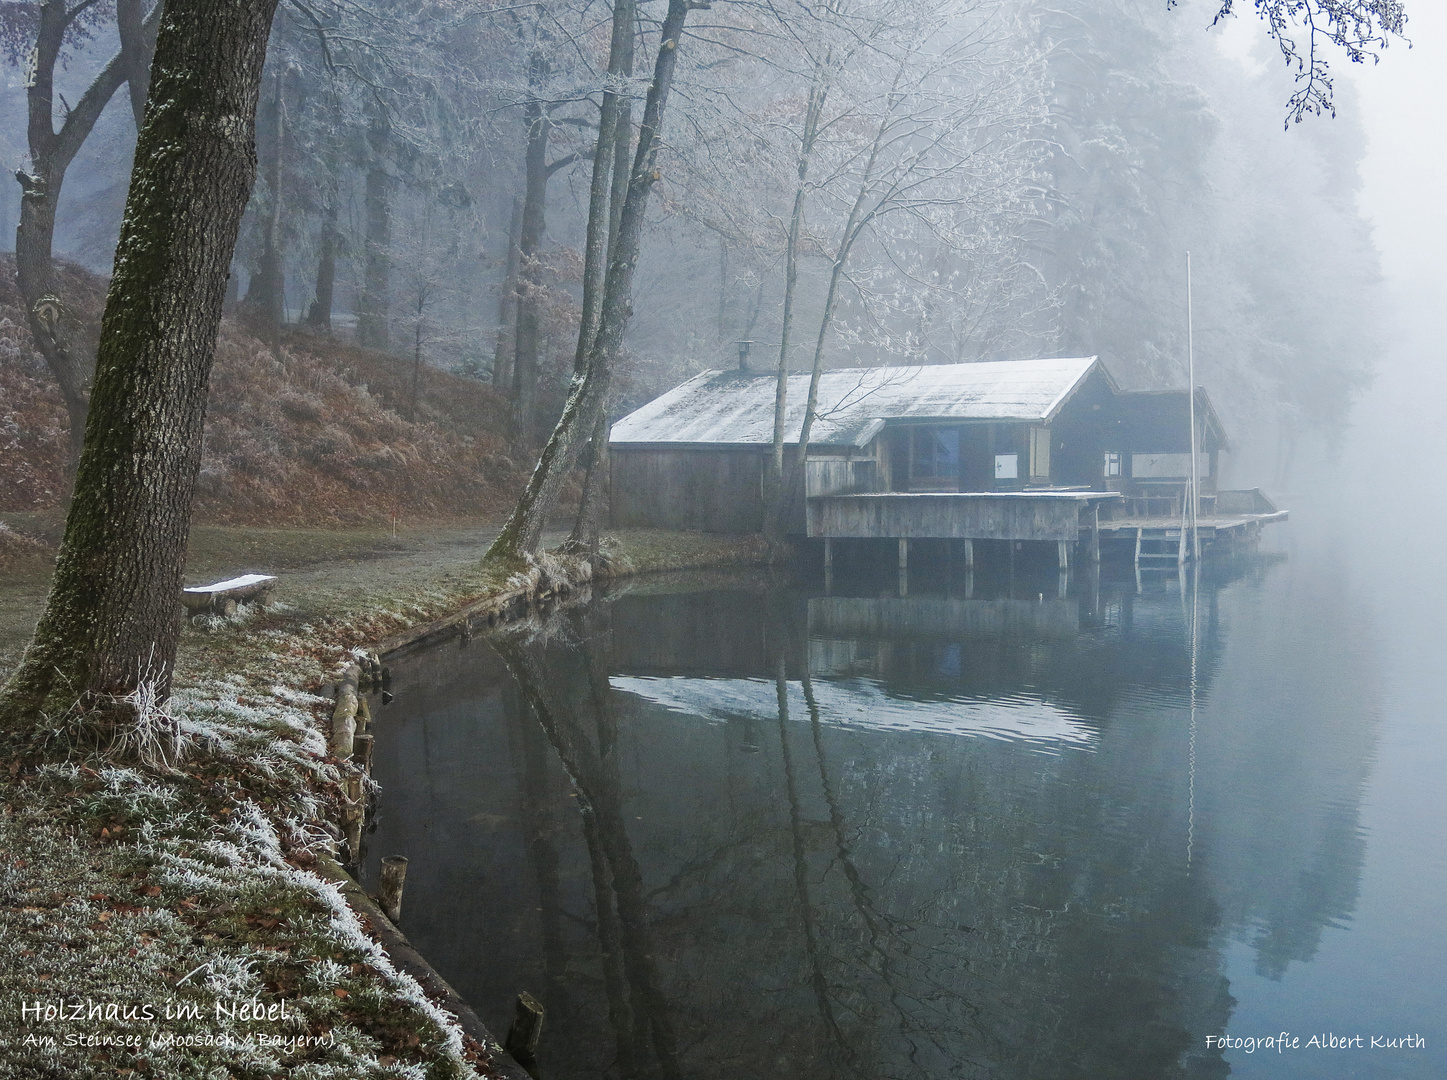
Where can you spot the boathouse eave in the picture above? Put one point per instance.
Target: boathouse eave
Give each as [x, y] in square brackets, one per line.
[857, 439]
[1041, 493]
[1071, 390]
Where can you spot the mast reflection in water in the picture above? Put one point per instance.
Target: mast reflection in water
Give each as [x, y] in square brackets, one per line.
[723, 827]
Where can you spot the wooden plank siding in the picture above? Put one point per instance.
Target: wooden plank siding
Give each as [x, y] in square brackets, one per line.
[712, 489]
[948, 515]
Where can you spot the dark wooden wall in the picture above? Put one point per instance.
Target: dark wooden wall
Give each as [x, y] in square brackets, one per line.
[710, 489]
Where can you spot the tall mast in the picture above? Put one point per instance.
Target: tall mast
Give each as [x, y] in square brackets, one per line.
[1193, 470]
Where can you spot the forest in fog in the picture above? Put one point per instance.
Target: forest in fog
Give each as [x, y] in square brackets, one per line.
[879, 181]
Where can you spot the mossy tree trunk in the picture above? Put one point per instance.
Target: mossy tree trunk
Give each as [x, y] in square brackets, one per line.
[528, 332]
[112, 618]
[607, 196]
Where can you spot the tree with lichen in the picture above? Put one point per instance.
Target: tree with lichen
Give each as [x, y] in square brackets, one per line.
[107, 638]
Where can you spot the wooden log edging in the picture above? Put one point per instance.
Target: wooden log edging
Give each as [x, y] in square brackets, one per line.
[408, 959]
[344, 714]
[492, 610]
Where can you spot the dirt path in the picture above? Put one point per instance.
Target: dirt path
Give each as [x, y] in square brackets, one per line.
[319, 568]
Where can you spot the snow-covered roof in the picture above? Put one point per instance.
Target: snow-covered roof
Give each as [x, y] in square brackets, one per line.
[737, 407]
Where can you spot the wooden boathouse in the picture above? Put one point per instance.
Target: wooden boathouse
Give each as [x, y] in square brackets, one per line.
[1047, 451]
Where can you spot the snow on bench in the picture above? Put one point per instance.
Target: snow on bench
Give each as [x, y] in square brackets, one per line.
[223, 596]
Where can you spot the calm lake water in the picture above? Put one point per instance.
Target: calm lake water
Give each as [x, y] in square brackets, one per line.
[735, 827]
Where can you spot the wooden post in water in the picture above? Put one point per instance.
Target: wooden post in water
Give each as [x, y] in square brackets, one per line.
[1063, 546]
[389, 891]
[903, 566]
[969, 554]
[527, 1029]
[1094, 551]
[354, 809]
[362, 753]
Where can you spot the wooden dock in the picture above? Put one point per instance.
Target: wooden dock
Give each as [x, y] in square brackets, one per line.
[1078, 522]
[1159, 539]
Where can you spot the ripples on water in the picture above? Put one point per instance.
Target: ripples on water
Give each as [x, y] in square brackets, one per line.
[738, 828]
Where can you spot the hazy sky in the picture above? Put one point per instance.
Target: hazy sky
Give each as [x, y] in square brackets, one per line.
[1403, 99]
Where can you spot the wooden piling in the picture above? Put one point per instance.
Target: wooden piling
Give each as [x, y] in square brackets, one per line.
[969, 553]
[362, 753]
[354, 810]
[389, 891]
[527, 1028]
[1063, 549]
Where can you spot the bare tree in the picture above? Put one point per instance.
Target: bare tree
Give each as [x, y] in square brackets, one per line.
[918, 110]
[1361, 28]
[57, 27]
[523, 530]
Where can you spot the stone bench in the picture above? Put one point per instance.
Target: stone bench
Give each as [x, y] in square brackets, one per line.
[223, 597]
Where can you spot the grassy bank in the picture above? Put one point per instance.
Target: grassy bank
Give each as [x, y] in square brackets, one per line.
[176, 875]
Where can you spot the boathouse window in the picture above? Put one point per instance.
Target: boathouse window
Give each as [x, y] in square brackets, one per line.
[1007, 466]
[1112, 463]
[936, 454]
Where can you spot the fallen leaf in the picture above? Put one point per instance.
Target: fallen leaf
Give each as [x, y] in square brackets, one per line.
[340, 992]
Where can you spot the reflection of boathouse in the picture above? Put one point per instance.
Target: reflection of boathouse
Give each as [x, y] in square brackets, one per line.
[729, 829]
[1030, 450]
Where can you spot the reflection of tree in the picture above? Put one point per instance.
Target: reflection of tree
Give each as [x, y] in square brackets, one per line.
[801, 869]
[905, 905]
[542, 829]
[879, 927]
[640, 1017]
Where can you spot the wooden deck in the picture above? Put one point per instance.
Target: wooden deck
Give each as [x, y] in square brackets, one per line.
[1157, 539]
[949, 515]
[1071, 519]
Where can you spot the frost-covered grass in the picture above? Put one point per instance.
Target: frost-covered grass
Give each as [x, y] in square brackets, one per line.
[173, 909]
[173, 869]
